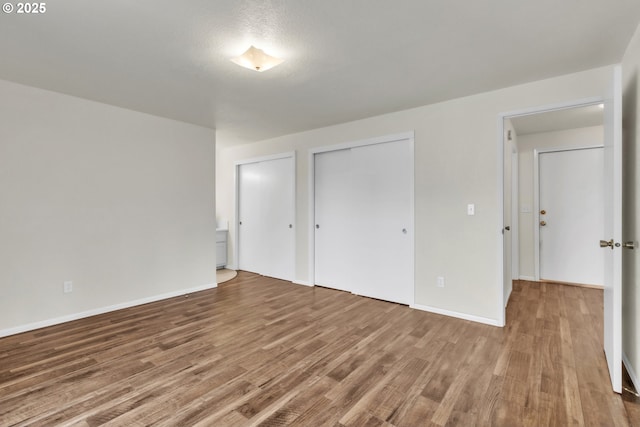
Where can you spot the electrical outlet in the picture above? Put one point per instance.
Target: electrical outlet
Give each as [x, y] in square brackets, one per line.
[68, 287]
[440, 282]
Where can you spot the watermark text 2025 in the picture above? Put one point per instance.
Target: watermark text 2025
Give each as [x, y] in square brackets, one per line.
[26, 8]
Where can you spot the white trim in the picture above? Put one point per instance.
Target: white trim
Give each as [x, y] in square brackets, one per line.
[501, 314]
[508, 297]
[410, 136]
[277, 156]
[362, 142]
[303, 283]
[536, 217]
[93, 312]
[561, 149]
[236, 203]
[456, 314]
[632, 373]
[536, 198]
[553, 107]
[515, 214]
[529, 278]
[311, 214]
[412, 217]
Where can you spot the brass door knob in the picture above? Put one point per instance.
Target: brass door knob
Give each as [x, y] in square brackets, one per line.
[543, 212]
[543, 223]
[606, 244]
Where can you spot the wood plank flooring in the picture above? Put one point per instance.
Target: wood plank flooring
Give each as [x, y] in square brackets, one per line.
[260, 351]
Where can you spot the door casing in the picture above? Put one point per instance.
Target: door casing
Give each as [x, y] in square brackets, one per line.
[612, 300]
[500, 267]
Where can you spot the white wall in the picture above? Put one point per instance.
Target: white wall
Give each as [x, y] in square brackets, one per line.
[631, 208]
[570, 138]
[456, 163]
[119, 202]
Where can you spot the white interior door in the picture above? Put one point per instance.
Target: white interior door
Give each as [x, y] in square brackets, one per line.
[507, 234]
[571, 196]
[383, 261]
[277, 218]
[334, 218]
[613, 229]
[266, 217]
[364, 220]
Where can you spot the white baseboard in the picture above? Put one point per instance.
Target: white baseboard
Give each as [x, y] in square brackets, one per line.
[631, 371]
[449, 313]
[529, 278]
[303, 283]
[68, 318]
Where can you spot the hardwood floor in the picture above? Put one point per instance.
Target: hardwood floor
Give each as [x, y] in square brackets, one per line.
[259, 351]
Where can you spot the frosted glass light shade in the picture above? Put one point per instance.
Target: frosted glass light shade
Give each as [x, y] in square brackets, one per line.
[256, 59]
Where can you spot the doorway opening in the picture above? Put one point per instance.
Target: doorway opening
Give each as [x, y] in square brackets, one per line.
[612, 214]
[559, 198]
[524, 136]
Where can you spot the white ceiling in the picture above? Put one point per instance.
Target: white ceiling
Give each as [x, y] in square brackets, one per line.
[569, 118]
[345, 60]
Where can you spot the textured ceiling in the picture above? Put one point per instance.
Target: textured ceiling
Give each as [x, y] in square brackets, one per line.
[345, 60]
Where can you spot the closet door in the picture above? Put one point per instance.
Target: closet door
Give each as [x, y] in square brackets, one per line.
[364, 216]
[265, 217]
[334, 218]
[277, 218]
[382, 186]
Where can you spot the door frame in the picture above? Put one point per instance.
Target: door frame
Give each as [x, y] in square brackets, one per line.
[501, 306]
[536, 198]
[515, 218]
[410, 136]
[236, 202]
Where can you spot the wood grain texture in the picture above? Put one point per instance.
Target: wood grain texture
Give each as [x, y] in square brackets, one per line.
[260, 351]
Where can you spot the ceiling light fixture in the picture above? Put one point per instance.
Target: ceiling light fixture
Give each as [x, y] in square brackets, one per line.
[256, 59]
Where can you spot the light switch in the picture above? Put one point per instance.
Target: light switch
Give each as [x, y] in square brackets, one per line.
[471, 209]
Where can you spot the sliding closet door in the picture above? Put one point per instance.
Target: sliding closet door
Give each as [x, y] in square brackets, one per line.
[334, 219]
[382, 188]
[364, 220]
[265, 217]
[277, 218]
